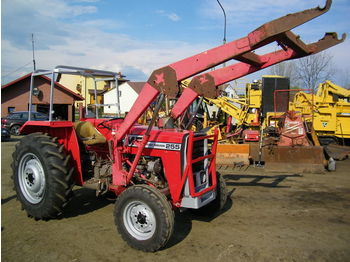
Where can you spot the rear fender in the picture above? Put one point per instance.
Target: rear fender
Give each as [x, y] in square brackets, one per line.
[65, 133]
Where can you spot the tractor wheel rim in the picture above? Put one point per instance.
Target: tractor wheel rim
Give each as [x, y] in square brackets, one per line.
[139, 220]
[31, 178]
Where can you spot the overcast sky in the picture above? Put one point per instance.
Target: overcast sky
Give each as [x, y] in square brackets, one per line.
[138, 36]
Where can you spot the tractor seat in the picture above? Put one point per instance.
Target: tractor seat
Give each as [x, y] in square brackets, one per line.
[88, 134]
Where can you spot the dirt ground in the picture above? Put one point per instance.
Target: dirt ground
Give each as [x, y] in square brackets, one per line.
[270, 217]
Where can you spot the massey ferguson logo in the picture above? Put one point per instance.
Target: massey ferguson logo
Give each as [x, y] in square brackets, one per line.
[154, 145]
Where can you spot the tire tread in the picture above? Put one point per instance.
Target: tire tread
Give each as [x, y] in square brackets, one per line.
[151, 196]
[55, 163]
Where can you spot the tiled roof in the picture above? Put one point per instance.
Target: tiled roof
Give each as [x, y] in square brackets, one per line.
[75, 95]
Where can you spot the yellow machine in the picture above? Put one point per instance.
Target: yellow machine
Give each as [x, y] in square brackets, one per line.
[244, 110]
[255, 110]
[328, 110]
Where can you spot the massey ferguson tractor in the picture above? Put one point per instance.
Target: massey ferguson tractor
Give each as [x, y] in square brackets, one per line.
[152, 170]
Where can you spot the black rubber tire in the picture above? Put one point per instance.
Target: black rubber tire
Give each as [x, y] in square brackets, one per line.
[58, 178]
[159, 206]
[218, 203]
[14, 130]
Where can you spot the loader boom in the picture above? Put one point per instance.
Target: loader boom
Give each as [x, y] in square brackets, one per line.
[205, 84]
[166, 80]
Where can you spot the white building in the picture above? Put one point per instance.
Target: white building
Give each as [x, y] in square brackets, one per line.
[128, 92]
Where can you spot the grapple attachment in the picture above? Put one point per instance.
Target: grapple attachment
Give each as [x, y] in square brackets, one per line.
[278, 30]
[166, 80]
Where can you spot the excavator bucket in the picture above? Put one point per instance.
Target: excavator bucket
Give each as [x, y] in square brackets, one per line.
[305, 159]
[293, 151]
[231, 155]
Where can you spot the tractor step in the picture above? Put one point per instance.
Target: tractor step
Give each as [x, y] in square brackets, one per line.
[100, 185]
[92, 183]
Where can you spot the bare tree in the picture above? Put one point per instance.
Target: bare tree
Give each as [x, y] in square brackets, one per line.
[312, 70]
[287, 69]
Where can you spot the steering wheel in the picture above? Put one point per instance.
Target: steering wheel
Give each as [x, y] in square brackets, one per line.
[103, 123]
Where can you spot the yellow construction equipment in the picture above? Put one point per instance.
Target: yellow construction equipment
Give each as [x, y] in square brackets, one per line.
[255, 110]
[264, 107]
[328, 111]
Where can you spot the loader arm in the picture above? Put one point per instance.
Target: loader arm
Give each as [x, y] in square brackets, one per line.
[207, 84]
[325, 91]
[165, 80]
[304, 103]
[227, 106]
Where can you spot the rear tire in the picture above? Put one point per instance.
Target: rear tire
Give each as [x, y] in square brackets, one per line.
[144, 218]
[42, 176]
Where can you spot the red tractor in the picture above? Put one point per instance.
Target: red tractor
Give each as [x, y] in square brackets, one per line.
[152, 170]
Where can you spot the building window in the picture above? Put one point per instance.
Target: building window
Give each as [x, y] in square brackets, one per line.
[11, 109]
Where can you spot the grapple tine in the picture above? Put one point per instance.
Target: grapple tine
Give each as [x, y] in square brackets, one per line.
[329, 40]
[265, 34]
[166, 79]
[206, 84]
[271, 30]
[302, 49]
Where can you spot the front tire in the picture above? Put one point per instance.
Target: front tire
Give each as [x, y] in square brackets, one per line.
[218, 203]
[144, 218]
[42, 176]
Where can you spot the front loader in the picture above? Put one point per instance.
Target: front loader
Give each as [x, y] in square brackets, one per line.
[152, 170]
